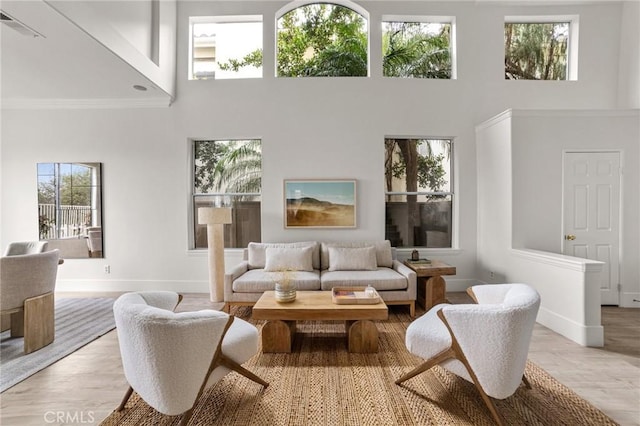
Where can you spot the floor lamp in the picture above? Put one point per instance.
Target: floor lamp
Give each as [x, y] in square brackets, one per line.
[215, 218]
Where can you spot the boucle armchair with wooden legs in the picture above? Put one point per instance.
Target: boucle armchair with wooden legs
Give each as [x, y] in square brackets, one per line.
[170, 358]
[485, 343]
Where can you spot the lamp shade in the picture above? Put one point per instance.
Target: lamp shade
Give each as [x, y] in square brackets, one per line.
[214, 215]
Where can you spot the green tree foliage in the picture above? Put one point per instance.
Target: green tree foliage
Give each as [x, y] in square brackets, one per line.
[536, 51]
[322, 40]
[74, 188]
[416, 49]
[327, 40]
[228, 166]
[420, 172]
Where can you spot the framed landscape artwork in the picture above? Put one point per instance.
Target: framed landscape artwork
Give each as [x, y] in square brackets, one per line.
[320, 203]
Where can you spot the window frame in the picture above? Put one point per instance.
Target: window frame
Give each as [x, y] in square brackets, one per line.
[301, 3]
[572, 43]
[429, 19]
[219, 19]
[193, 195]
[453, 185]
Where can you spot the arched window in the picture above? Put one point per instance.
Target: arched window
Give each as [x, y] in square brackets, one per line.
[322, 40]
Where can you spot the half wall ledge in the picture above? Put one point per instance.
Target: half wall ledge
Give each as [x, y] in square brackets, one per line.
[570, 291]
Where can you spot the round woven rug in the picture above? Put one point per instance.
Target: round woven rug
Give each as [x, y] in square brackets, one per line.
[320, 383]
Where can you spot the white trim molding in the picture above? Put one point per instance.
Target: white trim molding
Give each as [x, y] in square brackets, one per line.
[85, 103]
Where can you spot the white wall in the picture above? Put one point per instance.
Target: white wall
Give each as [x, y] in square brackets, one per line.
[520, 161]
[310, 128]
[539, 138]
[629, 82]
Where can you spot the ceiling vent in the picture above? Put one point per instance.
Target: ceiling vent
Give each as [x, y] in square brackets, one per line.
[18, 26]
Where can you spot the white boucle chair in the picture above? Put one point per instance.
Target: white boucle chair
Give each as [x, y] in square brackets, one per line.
[170, 358]
[485, 343]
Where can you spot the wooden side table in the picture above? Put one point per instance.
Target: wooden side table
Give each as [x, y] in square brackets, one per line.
[431, 285]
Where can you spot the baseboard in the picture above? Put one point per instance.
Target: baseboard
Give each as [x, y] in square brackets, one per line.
[630, 300]
[581, 334]
[454, 284]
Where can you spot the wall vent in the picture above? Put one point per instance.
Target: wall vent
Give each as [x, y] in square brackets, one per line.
[18, 26]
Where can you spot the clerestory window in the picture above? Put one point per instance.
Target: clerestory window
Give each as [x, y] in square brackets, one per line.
[420, 47]
[223, 47]
[322, 40]
[543, 48]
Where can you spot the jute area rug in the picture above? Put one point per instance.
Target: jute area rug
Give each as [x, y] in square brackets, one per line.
[320, 383]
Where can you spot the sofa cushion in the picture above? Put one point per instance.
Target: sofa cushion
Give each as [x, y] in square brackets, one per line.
[285, 258]
[258, 281]
[256, 253]
[381, 279]
[384, 256]
[352, 258]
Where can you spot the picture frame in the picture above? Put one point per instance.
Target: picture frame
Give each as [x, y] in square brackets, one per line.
[320, 203]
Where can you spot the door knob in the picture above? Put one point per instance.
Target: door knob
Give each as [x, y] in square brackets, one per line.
[570, 237]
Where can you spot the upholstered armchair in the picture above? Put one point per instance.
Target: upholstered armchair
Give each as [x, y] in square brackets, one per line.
[27, 284]
[485, 343]
[170, 358]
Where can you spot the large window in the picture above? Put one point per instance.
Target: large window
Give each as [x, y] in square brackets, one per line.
[322, 40]
[417, 48]
[228, 173]
[539, 50]
[225, 47]
[419, 192]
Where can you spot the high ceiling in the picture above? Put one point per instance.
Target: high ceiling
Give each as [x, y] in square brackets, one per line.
[65, 65]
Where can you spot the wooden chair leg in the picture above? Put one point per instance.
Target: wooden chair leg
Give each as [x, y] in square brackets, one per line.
[231, 364]
[435, 360]
[127, 395]
[491, 406]
[39, 322]
[186, 417]
[526, 382]
[5, 322]
[17, 323]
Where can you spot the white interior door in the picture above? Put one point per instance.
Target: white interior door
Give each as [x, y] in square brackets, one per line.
[592, 214]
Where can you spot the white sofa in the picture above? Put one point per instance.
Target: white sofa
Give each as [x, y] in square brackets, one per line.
[313, 265]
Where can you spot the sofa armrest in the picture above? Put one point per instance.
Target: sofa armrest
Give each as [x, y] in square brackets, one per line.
[410, 275]
[231, 276]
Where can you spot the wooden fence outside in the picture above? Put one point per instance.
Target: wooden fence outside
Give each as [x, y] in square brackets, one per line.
[71, 221]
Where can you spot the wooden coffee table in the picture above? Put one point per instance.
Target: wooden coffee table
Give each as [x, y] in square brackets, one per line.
[279, 331]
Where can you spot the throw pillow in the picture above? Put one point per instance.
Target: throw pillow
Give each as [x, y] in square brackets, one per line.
[352, 259]
[281, 258]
